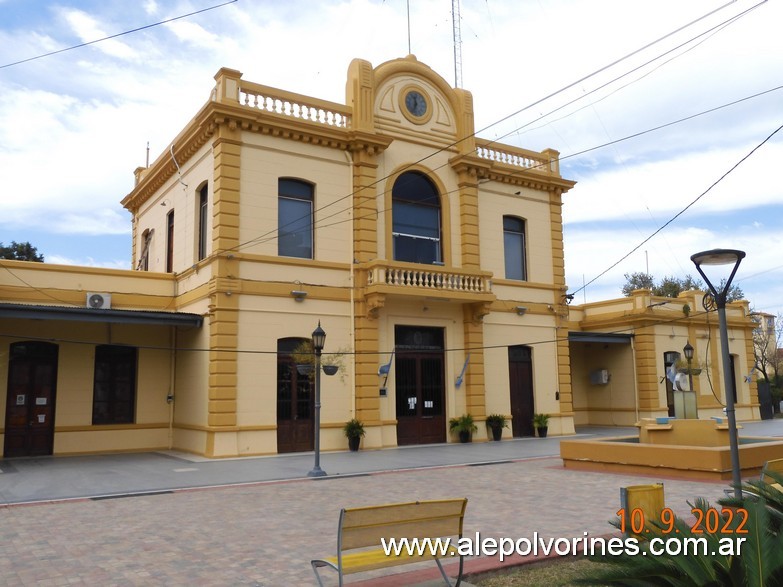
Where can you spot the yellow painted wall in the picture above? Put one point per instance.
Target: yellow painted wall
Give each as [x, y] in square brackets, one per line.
[265, 159]
[74, 432]
[497, 200]
[181, 194]
[612, 404]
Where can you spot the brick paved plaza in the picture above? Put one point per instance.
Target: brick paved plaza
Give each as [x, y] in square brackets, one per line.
[264, 534]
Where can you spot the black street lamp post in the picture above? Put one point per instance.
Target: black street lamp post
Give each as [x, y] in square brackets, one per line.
[687, 350]
[725, 257]
[319, 339]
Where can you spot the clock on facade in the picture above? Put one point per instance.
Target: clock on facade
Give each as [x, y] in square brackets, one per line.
[416, 103]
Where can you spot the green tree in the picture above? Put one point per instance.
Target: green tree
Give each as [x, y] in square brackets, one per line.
[20, 252]
[638, 280]
[671, 287]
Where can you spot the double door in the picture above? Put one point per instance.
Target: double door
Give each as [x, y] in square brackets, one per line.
[295, 405]
[420, 390]
[29, 413]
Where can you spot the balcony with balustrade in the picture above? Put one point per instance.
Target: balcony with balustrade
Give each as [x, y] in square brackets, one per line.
[384, 279]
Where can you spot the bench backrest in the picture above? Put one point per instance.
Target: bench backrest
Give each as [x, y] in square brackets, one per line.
[365, 526]
[775, 465]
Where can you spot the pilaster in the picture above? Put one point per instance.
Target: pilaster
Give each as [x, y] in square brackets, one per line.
[475, 392]
[224, 285]
[646, 373]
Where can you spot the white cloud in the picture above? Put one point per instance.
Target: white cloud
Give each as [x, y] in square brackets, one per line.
[75, 125]
[88, 29]
[87, 262]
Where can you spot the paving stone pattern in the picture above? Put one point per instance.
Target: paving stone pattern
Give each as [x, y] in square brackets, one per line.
[265, 534]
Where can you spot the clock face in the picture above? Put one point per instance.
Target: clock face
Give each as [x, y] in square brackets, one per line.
[416, 103]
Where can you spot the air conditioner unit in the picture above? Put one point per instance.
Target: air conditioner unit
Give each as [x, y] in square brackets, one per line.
[599, 377]
[99, 301]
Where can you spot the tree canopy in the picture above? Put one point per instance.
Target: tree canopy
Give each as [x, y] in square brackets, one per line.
[20, 252]
[671, 287]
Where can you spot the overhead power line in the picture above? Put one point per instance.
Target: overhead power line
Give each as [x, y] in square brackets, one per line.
[270, 235]
[681, 212]
[136, 30]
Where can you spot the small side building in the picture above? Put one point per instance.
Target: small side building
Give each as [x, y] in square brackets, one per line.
[626, 352]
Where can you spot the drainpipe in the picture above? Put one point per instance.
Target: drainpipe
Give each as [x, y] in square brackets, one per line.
[352, 287]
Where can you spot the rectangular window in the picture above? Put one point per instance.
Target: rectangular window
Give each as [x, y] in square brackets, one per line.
[514, 248]
[416, 233]
[295, 219]
[203, 226]
[170, 242]
[114, 386]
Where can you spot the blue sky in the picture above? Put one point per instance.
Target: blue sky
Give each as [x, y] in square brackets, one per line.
[74, 125]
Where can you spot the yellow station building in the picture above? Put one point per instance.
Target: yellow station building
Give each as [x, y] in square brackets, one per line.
[432, 258]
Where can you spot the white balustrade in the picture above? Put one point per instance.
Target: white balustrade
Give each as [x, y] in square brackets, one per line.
[428, 279]
[295, 108]
[514, 159]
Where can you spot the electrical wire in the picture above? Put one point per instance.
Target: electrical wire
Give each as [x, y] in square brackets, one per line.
[525, 108]
[625, 330]
[136, 30]
[681, 212]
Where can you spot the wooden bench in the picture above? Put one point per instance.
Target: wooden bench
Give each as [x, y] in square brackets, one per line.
[776, 466]
[753, 492]
[360, 531]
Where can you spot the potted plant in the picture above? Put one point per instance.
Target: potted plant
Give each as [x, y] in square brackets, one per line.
[682, 366]
[496, 423]
[463, 426]
[541, 423]
[354, 430]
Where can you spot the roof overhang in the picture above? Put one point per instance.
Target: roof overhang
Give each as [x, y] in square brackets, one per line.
[32, 312]
[600, 337]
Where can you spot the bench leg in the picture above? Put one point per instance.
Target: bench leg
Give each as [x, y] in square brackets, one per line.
[317, 564]
[446, 577]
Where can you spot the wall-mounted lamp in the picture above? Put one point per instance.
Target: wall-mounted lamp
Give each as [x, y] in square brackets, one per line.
[568, 298]
[298, 295]
[521, 310]
[164, 203]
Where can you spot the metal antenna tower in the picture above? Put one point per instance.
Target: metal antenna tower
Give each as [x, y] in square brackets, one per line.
[457, 34]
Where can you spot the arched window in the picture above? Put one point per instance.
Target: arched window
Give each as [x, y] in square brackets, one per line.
[514, 248]
[144, 257]
[294, 218]
[416, 230]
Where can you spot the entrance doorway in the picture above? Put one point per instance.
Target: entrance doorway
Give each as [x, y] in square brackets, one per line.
[295, 400]
[520, 379]
[420, 389]
[29, 412]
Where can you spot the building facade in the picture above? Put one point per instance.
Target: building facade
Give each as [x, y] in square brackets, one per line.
[432, 258]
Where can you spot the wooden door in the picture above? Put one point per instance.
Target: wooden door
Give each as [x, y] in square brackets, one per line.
[295, 406]
[29, 414]
[520, 377]
[420, 386]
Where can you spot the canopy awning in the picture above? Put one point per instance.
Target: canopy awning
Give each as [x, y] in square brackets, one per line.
[34, 312]
[600, 337]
